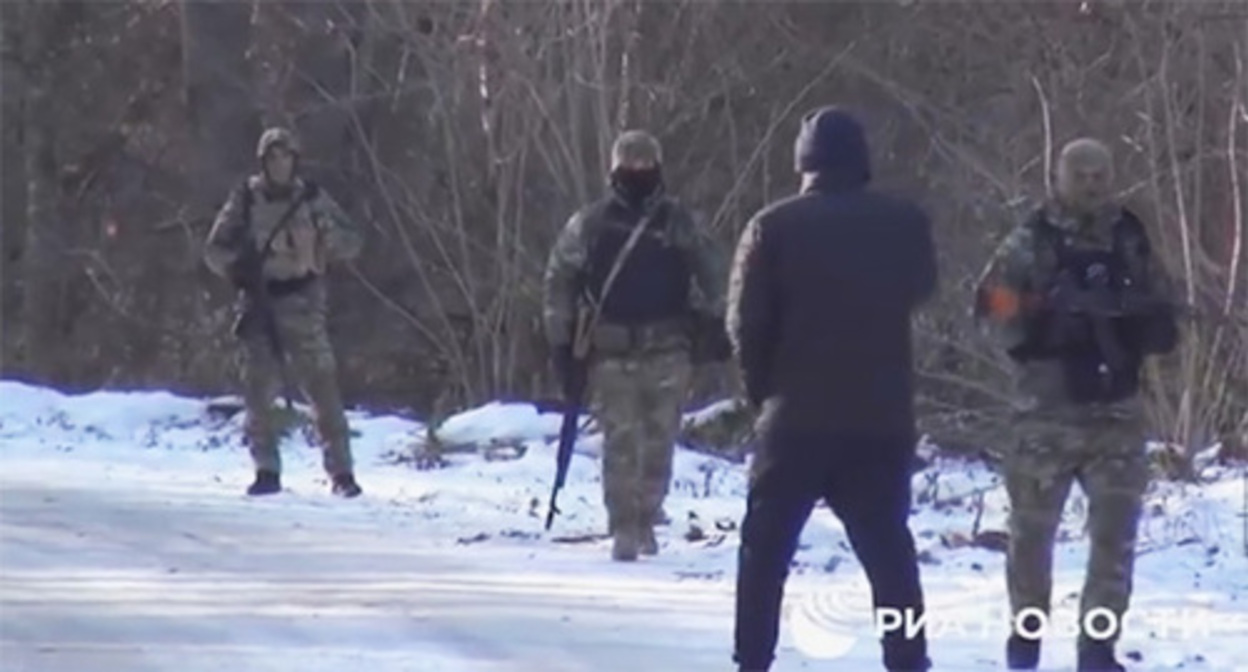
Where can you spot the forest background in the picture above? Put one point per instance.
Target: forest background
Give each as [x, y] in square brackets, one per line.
[461, 135]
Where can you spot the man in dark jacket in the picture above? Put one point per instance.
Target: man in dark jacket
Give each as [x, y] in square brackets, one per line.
[820, 298]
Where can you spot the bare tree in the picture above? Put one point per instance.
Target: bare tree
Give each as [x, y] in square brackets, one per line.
[45, 31]
[463, 135]
[220, 97]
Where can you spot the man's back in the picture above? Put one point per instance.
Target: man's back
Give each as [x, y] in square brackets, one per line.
[824, 286]
[851, 266]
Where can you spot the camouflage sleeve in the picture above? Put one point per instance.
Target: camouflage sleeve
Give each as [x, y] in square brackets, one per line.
[707, 265]
[752, 311]
[1005, 294]
[342, 238]
[562, 281]
[221, 248]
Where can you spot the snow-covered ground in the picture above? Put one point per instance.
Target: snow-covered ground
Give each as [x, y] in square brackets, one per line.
[126, 544]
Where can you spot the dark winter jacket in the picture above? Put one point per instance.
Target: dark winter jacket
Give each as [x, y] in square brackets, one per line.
[821, 293]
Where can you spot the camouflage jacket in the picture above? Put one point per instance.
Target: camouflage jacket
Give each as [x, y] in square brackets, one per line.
[318, 232]
[1012, 290]
[569, 258]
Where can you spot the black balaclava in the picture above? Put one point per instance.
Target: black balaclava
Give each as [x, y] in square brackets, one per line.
[636, 186]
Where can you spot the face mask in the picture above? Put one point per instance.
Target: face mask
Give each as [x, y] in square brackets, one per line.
[637, 185]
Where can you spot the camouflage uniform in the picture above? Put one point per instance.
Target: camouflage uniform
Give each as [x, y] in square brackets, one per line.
[318, 232]
[640, 368]
[1101, 445]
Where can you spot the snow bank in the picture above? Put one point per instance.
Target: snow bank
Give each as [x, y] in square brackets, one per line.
[1191, 555]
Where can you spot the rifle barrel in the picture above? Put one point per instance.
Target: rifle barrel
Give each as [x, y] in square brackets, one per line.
[574, 393]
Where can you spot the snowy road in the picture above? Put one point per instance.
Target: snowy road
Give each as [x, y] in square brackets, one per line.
[127, 546]
[104, 579]
[111, 570]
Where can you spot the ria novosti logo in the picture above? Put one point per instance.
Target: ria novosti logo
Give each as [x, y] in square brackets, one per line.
[829, 623]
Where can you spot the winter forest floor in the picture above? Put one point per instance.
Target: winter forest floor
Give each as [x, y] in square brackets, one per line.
[126, 544]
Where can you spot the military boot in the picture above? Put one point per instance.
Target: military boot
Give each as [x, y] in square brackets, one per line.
[345, 486]
[1022, 653]
[659, 520]
[266, 483]
[624, 545]
[1098, 656]
[648, 544]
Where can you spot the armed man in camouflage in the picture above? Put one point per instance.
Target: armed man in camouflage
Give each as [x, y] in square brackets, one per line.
[1073, 295]
[637, 264]
[291, 231]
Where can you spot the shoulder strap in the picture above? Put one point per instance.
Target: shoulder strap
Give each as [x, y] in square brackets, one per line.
[580, 340]
[307, 194]
[638, 229]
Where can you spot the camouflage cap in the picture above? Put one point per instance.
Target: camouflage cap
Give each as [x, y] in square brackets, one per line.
[273, 137]
[635, 146]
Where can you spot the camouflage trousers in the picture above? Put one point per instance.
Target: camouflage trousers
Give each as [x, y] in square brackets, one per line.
[638, 401]
[310, 363]
[1103, 449]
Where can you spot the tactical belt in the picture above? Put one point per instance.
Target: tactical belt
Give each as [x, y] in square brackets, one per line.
[614, 337]
[278, 288]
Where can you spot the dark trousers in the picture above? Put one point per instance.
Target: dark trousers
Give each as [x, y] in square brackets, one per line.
[866, 483]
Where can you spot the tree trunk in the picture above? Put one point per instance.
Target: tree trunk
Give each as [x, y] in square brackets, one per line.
[221, 109]
[321, 88]
[12, 188]
[42, 258]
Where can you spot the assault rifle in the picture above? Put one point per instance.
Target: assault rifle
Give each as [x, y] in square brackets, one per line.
[575, 383]
[247, 274]
[1070, 303]
[710, 345]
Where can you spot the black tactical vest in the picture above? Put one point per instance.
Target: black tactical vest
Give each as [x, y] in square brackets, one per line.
[1089, 374]
[653, 282]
